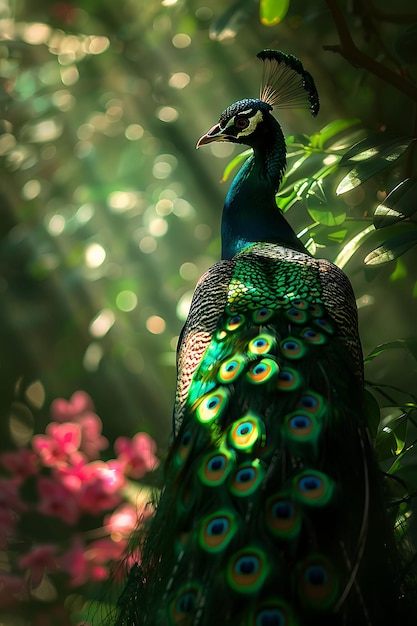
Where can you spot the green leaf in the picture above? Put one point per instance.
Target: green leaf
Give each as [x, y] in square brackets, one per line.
[272, 12]
[399, 344]
[296, 141]
[346, 140]
[294, 162]
[325, 215]
[400, 203]
[391, 435]
[286, 202]
[385, 445]
[372, 156]
[392, 248]
[352, 246]
[235, 162]
[329, 131]
[320, 209]
[374, 146]
[309, 165]
[405, 465]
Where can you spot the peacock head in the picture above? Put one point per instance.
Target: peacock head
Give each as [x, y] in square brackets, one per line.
[246, 121]
[285, 84]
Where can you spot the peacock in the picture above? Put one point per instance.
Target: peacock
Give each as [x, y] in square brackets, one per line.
[273, 511]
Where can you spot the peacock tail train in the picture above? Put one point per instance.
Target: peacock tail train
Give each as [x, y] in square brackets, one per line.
[273, 511]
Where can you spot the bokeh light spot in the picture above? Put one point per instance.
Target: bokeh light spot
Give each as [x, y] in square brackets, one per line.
[36, 33]
[31, 189]
[83, 149]
[183, 209]
[84, 213]
[155, 324]
[179, 80]
[69, 75]
[35, 394]
[188, 271]
[7, 142]
[85, 131]
[67, 58]
[164, 207]
[63, 100]
[120, 201]
[161, 170]
[98, 45]
[94, 255]
[92, 357]
[181, 40]
[20, 423]
[114, 109]
[167, 114]
[163, 165]
[133, 132]
[147, 244]
[126, 300]
[158, 227]
[183, 305]
[101, 323]
[56, 224]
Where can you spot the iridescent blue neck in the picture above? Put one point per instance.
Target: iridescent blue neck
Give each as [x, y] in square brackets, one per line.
[250, 213]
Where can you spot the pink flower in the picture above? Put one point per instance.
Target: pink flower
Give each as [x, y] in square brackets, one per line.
[75, 563]
[72, 476]
[137, 454]
[64, 411]
[100, 492]
[92, 441]
[86, 563]
[38, 561]
[105, 550]
[80, 410]
[57, 500]
[21, 462]
[67, 436]
[11, 590]
[122, 521]
[59, 444]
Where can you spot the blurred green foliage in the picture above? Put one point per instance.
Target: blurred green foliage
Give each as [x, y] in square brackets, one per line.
[108, 216]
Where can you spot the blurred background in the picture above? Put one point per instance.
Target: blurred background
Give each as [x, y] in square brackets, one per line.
[108, 215]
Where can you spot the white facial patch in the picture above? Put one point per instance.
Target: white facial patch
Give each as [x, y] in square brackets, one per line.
[253, 122]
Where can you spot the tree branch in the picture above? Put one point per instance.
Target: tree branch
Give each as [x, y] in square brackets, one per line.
[348, 50]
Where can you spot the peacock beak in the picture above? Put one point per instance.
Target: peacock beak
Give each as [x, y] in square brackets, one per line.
[214, 134]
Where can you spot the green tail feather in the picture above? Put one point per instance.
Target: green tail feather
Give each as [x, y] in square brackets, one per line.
[273, 512]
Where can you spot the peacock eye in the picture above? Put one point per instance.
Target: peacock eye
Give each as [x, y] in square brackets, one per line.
[241, 122]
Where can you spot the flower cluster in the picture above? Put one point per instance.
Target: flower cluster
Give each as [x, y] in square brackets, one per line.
[95, 504]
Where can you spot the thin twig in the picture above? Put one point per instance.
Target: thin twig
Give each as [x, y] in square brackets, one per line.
[348, 50]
